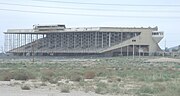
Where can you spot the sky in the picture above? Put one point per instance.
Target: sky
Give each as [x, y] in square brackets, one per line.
[103, 13]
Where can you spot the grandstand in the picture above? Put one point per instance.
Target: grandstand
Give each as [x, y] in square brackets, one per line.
[57, 40]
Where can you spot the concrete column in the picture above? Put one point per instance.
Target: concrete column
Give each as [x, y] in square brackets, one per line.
[95, 39]
[133, 50]
[74, 38]
[121, 41]
[88, 36]
[102, 40]
[19, 41]
[81, 39]
[9, 39]
[61, 36]
[127, 50]
[13, 41]
[109, 39]
[139, 50]
[121, 36]
[31, 38]
[25, 44]
[55, 38]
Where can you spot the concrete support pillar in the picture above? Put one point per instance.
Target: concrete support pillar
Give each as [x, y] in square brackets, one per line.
[127, 50]
[109, 39]
[74, 38]
[95, 39]
[19, 41]
[121, 41]
[139, 50]
[55, 42]
[102, 40]
[133, 50]
[13, 41]
[87, 40]
[81, 35]
[25, 44]
[36, 41]
[61, 40]
[121, 36]
[31, 38]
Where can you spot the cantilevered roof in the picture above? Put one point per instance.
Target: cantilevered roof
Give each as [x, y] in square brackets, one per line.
[81, 29]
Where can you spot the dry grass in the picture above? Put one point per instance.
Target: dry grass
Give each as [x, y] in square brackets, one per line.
[25, 87]
[65, 89]
[17, 75]
[89, 75]
[121, 75]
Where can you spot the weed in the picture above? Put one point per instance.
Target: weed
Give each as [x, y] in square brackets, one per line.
[25, 87]
[48, 75]
[89, 75]
[76, 77]
[146, 89]
[65, 89]
[102, 88]
[17, 74]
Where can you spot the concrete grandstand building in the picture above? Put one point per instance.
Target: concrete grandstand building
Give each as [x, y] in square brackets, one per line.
[57, 40]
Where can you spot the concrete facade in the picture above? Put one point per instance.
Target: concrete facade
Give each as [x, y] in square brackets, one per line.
[59, 40]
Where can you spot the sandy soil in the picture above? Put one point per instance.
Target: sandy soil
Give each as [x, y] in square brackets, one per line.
[163, 59]
[17, 91]
[6, 89]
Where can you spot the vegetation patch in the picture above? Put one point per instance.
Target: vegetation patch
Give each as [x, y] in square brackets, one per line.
[25, 87]
[65, 89]
[89, 75]
[18, 74]
[116, 75]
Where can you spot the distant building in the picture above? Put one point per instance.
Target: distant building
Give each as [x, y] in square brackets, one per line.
[58, 40]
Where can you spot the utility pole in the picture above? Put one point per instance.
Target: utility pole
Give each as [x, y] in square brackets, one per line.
[164, 48]
[133, 50]
[33, 50]
[165, 45]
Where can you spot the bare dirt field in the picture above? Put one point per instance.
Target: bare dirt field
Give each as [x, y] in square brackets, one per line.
[163, 59]
[17, 91]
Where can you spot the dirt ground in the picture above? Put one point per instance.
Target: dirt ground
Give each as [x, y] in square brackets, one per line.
[163, 59]
[6, 90]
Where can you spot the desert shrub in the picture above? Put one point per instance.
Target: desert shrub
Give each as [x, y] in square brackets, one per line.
[172, 89]
[43, 84]
[17, 75]
[87, 89]
[115, 89]
[159, 87]
[149, 89]
[53, 81]
[162, 77]
[65, 89]
[89, 75]
[6, 76]
[48, 75]
[76, 78]
[101, 88]
[25, 87]
[23, 75]
[114, 79]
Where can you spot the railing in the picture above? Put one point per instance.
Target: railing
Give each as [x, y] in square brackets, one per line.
[83, 29]
[20, 30]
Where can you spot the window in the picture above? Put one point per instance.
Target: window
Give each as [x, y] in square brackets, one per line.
[133, 40]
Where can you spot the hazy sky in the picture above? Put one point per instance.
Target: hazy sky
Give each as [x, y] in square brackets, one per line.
[167, 18]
